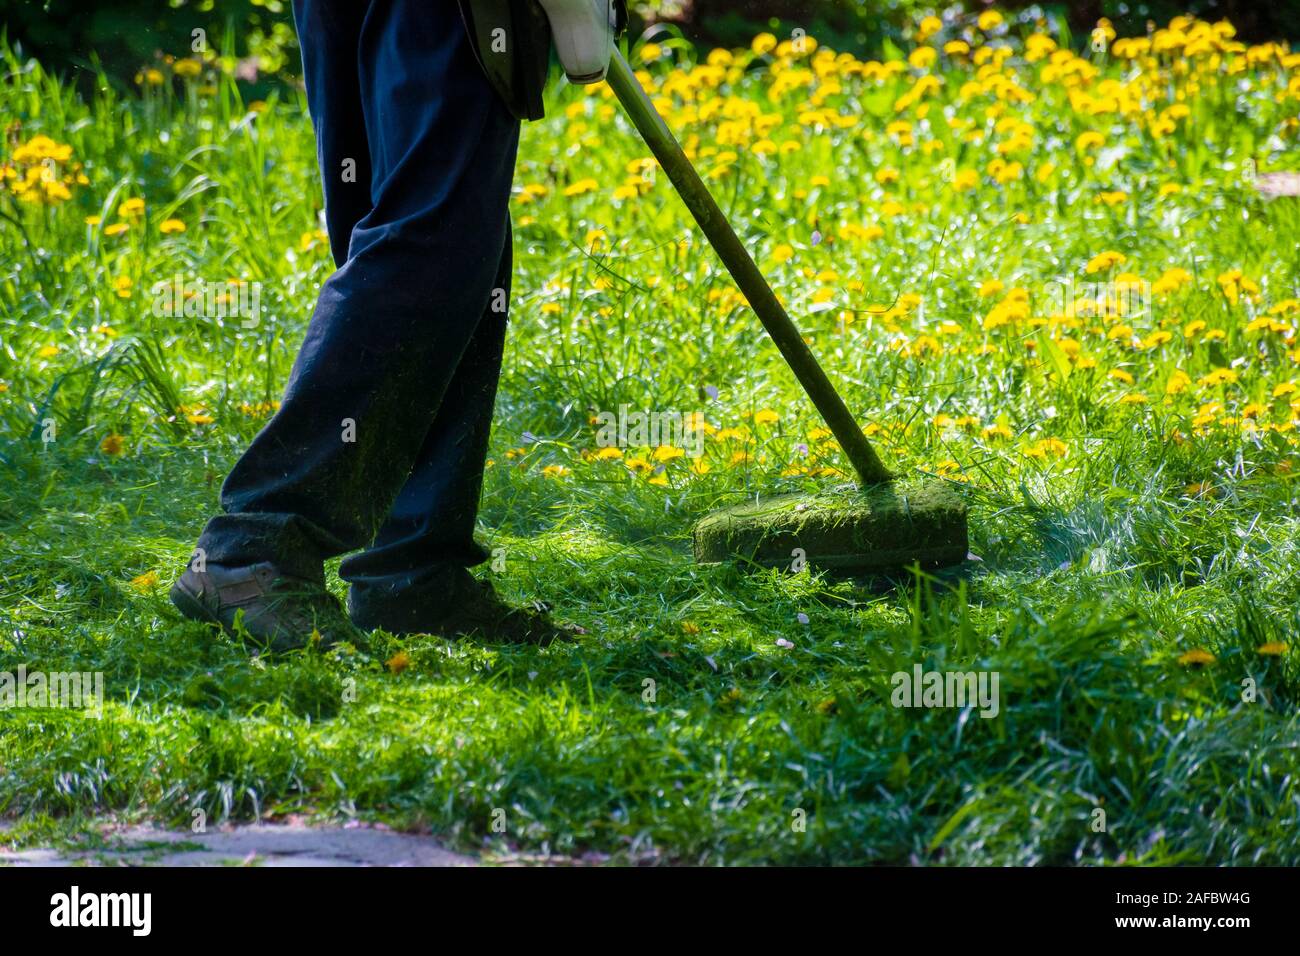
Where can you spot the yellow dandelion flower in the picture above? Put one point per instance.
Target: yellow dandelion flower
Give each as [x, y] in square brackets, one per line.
[923, 57]
[1105, 260]
[1089, 140]
[964, 179]
[1178, 381]
[145, 582]
[581, 187]
[1220, 376]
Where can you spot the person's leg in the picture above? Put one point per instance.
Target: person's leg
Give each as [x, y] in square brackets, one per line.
[414, 578]
[327, 36]
[391, 326]
[427, 540]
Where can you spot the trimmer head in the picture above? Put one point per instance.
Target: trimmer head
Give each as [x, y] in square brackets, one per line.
[885, 527]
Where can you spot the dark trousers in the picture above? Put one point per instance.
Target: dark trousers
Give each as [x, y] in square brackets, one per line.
[380, 440]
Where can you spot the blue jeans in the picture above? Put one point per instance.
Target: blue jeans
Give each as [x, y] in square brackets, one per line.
[380, 440]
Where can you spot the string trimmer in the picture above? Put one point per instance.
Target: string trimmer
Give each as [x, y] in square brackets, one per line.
[886, 523]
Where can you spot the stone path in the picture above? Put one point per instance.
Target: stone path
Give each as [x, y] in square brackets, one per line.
[255, 845]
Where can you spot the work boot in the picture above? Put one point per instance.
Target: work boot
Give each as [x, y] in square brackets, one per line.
[279, 611]
[467, 607]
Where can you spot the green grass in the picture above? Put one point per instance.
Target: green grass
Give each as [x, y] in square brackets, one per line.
[679, 729]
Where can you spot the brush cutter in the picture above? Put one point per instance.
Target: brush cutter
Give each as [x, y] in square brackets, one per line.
[886, 524]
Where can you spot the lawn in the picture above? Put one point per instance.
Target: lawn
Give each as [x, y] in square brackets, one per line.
[1040, 268]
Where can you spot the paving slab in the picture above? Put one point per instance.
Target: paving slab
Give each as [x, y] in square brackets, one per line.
[253, 845]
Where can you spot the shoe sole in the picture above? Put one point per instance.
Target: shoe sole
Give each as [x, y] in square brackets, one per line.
[191, 608]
